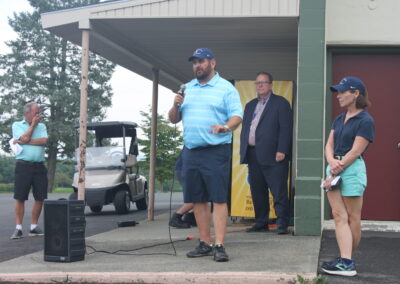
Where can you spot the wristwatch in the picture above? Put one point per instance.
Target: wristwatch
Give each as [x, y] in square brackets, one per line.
[226, 127]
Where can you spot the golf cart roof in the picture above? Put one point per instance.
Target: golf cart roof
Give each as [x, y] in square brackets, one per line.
[112, 129]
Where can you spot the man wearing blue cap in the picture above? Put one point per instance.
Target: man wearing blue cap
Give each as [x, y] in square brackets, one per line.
[210, 110]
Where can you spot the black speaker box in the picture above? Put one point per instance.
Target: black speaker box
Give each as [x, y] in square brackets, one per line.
[64, 230]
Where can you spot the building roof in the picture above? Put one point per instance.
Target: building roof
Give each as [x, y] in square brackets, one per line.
[246, 36]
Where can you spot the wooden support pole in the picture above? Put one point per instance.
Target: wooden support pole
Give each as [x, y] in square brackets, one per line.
[153, 145]
[83, 113]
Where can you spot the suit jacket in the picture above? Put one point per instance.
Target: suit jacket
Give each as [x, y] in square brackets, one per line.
[273, 133]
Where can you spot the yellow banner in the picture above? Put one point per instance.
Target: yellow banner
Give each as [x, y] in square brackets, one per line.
[241, 202]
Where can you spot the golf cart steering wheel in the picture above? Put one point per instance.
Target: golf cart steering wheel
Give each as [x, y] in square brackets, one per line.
[117, 156]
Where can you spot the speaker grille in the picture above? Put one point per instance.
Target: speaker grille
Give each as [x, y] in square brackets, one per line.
[56, 229]
[64, 230]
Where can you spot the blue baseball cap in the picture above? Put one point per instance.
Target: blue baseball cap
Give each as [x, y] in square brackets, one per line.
[202, 53]
[349, 83]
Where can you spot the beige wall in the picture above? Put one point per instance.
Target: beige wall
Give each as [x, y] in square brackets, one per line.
[363, 22]
[200, 8]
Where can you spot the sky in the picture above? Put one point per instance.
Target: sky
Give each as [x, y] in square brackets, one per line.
[132, 92]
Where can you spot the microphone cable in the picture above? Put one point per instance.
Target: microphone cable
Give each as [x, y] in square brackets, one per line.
[180, 91]
[171, 242]
[129, 251]
[170, 203]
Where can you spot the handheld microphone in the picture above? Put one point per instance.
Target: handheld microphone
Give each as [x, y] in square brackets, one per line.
[181, 91]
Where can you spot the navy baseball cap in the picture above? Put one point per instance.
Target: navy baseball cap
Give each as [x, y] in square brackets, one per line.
[202, 53]
[349, 83]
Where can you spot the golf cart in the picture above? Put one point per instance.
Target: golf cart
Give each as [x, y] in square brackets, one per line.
[111, 173]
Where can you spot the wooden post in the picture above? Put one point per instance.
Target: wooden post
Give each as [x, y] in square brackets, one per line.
[83, 113]
[153, 144]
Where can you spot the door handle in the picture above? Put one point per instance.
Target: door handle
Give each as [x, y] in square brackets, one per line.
[398, 146]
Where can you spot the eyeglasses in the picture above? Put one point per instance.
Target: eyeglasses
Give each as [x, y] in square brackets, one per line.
[261, 82]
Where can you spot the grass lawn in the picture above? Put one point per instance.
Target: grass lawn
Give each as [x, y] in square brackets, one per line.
[63, 190]
[56, 190]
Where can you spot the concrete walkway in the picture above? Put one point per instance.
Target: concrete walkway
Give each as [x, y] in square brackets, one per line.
[254, 258]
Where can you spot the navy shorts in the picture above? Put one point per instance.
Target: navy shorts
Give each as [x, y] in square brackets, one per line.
[178, 169]
[206, 173]
[29, 174]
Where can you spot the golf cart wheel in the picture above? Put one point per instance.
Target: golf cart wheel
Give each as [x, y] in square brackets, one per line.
[73, 196]
[142, 204]
[96, 209]
[122, 202]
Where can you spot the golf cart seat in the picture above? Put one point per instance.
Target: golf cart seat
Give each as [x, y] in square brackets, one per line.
[132, 177]
[131, 161]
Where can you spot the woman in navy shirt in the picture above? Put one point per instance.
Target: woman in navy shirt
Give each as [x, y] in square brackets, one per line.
[351, 133]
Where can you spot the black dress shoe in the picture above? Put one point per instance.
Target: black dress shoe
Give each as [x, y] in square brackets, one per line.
[282, 230]
[256, 229]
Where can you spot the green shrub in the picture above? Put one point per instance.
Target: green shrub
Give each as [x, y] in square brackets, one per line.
[301, 280]
[6, 187]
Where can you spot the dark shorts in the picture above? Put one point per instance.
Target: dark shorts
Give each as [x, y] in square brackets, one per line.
[206, 174]
[178, 169]
[29, 174]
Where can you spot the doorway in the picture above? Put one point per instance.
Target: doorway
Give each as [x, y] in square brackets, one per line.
[381, 75]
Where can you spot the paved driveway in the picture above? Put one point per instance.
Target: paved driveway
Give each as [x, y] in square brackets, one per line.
[377, 258]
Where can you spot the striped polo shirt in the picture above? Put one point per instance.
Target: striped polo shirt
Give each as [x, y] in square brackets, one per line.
[205, 105]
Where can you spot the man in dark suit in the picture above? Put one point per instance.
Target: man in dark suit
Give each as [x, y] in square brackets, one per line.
[265, 145]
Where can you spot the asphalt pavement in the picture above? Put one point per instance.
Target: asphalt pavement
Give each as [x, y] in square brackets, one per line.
[377, 258]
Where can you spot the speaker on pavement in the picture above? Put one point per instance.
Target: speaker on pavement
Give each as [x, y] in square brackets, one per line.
[64, 230]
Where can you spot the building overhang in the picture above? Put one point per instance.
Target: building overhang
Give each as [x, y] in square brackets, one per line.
[141, 35]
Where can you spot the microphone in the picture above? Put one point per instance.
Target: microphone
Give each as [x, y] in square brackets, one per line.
[181, 91]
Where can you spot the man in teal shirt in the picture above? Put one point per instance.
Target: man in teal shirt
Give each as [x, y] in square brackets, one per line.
[29, 170]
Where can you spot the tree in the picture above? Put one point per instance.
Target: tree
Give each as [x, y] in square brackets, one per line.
[63, 180]
[169, 145]
[44, 68]
[7, 166]
[64, 173]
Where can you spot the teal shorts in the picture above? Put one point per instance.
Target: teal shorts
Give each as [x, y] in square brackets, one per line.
[354, 178]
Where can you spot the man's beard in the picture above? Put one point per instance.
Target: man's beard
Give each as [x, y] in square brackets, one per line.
[206, 73]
